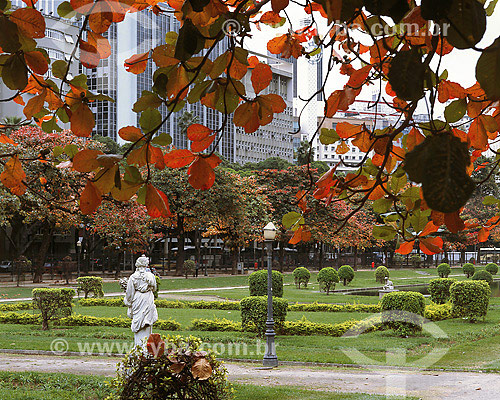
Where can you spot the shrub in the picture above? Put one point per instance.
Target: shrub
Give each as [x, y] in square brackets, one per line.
[416, 260]
[346, 274]
[216, 324]
[492, 268]
[254, 313]
[52, 303]
[24, 305]
[468, 269]
[188, 266]
[482, 275]
[327, 279]
[315, 307]
[443, 270]
[172, 368]
[439, 289]
[403, 312]
[380, 274]
[257, 282]
[158, 283]
[202, 304]
[301, 276]
[90, 284]
[470, 298]
[438, 312]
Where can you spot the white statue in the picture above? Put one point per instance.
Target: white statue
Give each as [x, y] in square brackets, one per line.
[388, 284]
[140, 300]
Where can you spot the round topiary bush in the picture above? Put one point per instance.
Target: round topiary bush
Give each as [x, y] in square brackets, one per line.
[439, 289]
[403, 312]
[346, 274]
[188, 266]
[482, 275]
[492, 268]
[380, 274]
[470, 298]
[468, 269]
[327, 279]
[257, 282]
[443, 270]
[254, 313]
[301, 276]
[172, 368]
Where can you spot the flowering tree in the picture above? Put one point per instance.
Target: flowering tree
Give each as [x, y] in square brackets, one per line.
[399, 45]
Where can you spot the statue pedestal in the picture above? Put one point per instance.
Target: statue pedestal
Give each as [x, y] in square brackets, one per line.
[141, 335]
[384, 291]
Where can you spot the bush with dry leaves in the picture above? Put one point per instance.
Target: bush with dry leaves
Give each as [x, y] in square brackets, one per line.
[173, 367]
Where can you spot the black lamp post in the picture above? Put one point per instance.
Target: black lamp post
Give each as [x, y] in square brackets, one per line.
[79, 249]
[270, 358]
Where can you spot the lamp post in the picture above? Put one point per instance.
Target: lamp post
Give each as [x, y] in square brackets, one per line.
[205, 245]
[79, 249]
[270, 358]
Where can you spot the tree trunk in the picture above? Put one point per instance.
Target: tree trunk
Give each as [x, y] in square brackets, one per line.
[181, 238]
[48, 229]
[355, 259]
[234, 260]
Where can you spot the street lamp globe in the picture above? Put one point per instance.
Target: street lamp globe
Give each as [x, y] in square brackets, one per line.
[269, 231]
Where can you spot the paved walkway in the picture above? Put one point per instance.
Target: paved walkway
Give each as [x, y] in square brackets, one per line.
[430, 385]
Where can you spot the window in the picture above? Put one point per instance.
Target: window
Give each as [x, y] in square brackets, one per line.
[54, 34]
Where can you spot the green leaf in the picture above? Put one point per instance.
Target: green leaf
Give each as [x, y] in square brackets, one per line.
[491, 7]
[189, 42]
[57, 151]
[132, 175]
[147, 100]
[468, 23]
[398, 183]
[163, 139]
[9, 37]
[177, 106]
[63, 115]
[396, 9]
[488, 70]
[406, 75]
[383, 232]
[382, 205]
[490, 201]
[100, 97]
[440, 164]
[149, 120]
[171, 37]
[199, 91]
[455, 110]
[198, 5]
[435, 10]
[328, 136]
[59, 68]
[141, 195]
[80, 81]
[419, 219]
[241, 55]
[292, 220]
[65, 10]
[14, 73]
[71, 150]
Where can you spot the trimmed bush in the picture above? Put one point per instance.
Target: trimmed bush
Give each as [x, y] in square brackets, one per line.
[468, 269]
[470, 299]
[327, 279]
[257, 282]
[380, 274]
[189, 266]
[254, 313]
[403, 312]
[202, 304]
[301, 276]
[482, 275]
[90, 284]
[24, 305]
[174, 367]
[438, 312]
[346, 274]
[217, 324]
[443, 270]
[492, 268]
[52, 303]
[318, 307]
[439, 289]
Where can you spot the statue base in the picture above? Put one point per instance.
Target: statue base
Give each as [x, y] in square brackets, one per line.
[141, 337]
[384, 291]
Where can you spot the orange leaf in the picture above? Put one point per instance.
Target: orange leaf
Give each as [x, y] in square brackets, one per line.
[89, 57]
[13, 175]
[429, 228]
[163, 56]
[270, 18]
[177, 83]
[340, 100]
[414, 138]
[90, 199]
[179, 158]
[431, 245]
[261, 77]
[37, 62]
[100, 19]
[286, 45]
[405, 248]
[30, 22]
[82, 6]
[35, 105]
[7, 140]
[156, 202]
[137, 63]
[358, 77]
[155, 345]
[477, 135]
[345, 130]
[198, 132]
[253, 60]
[201, 145]
[247, 116]
[483, 234]
[82, 121]
[130, 133]
[297, 236]
[101, 44]
[453, 222]
[140, 156]
[86, 160]
[201, 174]
[342, 148]
[237, 70]
[213, 160]
[19, 100]
[450, 90]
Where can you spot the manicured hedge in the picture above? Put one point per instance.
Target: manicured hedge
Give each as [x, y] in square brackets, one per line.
[443, 270]
[53, 303]
[90, 284]
[301, 276]
[319, 307]
[217, 324]
[403, 311]
[470, 299]
[24, 305]
[257, 282]
[439, 289]
[468, 269]
[438, 312]
[254, 313]
[205, 305]
[482, 275]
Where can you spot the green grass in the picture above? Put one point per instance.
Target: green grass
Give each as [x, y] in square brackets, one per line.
[44, 386]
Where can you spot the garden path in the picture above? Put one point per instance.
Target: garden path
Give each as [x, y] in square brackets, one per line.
[428, 385]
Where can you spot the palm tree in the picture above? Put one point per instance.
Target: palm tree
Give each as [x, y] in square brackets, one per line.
[305, 153]
[12, 123]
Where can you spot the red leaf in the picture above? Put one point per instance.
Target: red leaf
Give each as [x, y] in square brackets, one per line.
[261, 77]
[137, 63]
[90, 199]
[358, 77]
[130, 133]
[483, 235]
[30, 22]
[198, 132]
[155, 345]
[201, 174]
[37, 62]
[405, 248]
[179, 158]
[453, 222]
[82, 121]
[431, 245]
[202, 144]
[278, 5]
[86, 160]
[156, 202]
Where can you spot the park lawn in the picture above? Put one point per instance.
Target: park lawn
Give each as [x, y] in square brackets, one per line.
[58, 386]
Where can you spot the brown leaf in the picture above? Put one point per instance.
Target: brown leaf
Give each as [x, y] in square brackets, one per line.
[201, 369]
[90, 199]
